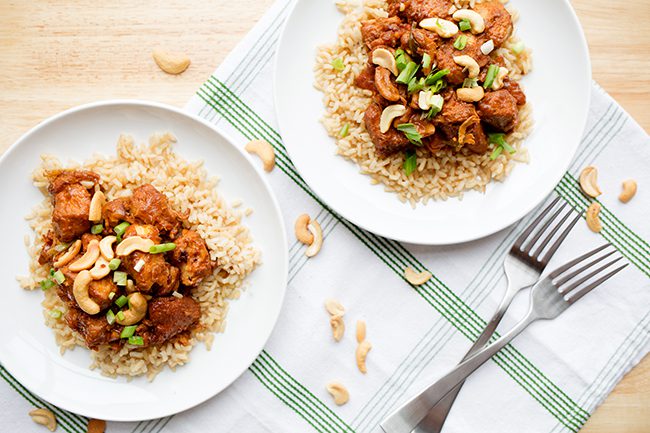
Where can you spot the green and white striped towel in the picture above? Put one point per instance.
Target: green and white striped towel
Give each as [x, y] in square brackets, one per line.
[550, 380]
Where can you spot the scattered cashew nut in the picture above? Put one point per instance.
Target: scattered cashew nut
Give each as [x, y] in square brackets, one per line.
[444, 28]
[470, 94]
[384, 58]
[476, 21]
[469, 64]
[339, 393]
[416, 278]
[106, 247]
[593, 220]
[302, 232]
[385, 86]
[391, 112]
[334, 307]
[136, 312]
[100, 270]
[172, 63]
[316, 231]
[96, 205]
[70, 254]
[96, 426]
[361, 330]
[338, 327]
[589, 181]
[502, 73]
[88, 259]
[361, 354]
[629, 189]
[264, 150]
[80, 292]
[133, 243]
[44, 417]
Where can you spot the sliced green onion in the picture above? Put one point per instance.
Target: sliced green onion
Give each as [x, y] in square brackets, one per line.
[47, 284]
[121, 301]
[498, 139]
[97, 229]
[344, 131]
[111, 295]
[120, 315]
[136, 340]
[436, 102]
[401, 59]
[470, 82]
[110, 317]
[464, 25]
[119, 278]
[432, 78]
[162, 248]
[408, 73]
[114, 264]
[426, 60]
[415, 85]
[490, 76]
[128, 331]
[51, 272]
[56, 314]
[518, 47]
[461, 42]
[121, 228]
[411, 133]
[496, 152]
[338, 64]
[59, 277]
[410, 162]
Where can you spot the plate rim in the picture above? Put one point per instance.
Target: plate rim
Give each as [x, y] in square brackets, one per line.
[183, 405]
[506, 222]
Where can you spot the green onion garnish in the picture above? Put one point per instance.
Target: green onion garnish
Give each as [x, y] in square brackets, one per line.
[162, 248]
[114, 264]
[410, 162]
[128, 331]
[110, 317]
[438, 23]
[426, 60]
[496, 152]
[408, 73]
[436, 105]
[136, 340]
[119, 278]
[97, 229]
[401, 59]
[411, 133]
[338, 64]
[433, 78]
[490, 76]
[470, 82]
[344, 131]
[121, 228]
[120, 315]
[47, 284]
[415, 85]
[461, 42]
[121, 301]
[51, 272]
[500, 143]
[518, 47]
[59, 277]
[56, 314]
[464, 25]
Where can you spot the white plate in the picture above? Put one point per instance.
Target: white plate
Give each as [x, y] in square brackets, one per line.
[27, 347]
[558, 88]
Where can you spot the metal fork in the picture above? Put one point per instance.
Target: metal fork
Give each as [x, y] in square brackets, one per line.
[550, 297]
[523, 266]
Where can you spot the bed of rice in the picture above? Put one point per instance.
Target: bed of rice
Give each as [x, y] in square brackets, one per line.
[445, 174]
[188, 188]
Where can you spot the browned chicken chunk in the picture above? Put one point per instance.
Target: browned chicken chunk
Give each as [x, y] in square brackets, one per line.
[192, 257]
[100, 291]
[150, 206]
[417, 10]
[95, 330]
[71, 201]
[498, 22]
[385, 143]
[382, 32]
[168, 317]
[366, 78]
[116, 211]
[499, 110]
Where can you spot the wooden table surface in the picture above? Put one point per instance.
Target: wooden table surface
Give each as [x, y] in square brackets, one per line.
[60, 53]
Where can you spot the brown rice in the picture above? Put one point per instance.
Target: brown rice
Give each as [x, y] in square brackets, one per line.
[188, 188]
[445, 174]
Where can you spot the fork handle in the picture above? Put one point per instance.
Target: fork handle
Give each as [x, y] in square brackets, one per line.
[407, 417]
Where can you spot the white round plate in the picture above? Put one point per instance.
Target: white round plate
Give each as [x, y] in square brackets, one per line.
[558, 89]
[27, 347]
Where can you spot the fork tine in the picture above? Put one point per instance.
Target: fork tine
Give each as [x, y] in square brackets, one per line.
[550, 235]
[574, 262]
[567, 277]
[580, 293]
[524, 235]
[541, 231]
[570, 287]
[558, 242]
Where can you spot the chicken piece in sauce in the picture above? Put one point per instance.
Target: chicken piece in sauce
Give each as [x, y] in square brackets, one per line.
[116, 211]
[71, 200]
[167, 318]
[150, 206]
[191, 255]
[499, 110]
[95, 330]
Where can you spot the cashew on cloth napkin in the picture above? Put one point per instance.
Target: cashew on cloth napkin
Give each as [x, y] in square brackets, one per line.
[549, 380]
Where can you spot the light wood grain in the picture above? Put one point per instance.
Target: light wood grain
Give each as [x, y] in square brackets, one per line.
[57, 54]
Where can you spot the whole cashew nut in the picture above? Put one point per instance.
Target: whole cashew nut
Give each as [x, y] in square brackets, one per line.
[88, 259]
[315, 246]
[469, 64]
[470, 94]
[444, 28]
[80, 292]
[391, 112]
[134, 243]
[73, 250]
[106, 247]
[44, 417]
[416, 278]
[100, 270]
[264, 150]
[302, 232]
[593, 218]
[476, 21]
[384, 58]
[172, 63]
[502, 73]
[361, 354]
[629, 190]
[385, 86]
[96, 205]
[589, 181]
[136, 312]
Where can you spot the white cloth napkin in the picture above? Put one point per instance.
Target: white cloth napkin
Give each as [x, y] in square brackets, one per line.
[550, 380]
